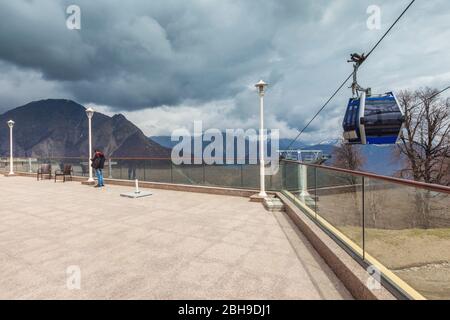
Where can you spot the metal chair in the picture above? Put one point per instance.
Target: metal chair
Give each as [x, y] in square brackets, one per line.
[45, 169]
[66, 172]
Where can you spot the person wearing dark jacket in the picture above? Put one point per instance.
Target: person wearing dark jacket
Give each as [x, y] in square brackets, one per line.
[98, 163]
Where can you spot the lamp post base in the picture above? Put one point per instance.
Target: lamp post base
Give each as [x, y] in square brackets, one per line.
[258, 197]
[10, 174]
[273, 204]
[135, 195]
[88, 182]
[304, 194]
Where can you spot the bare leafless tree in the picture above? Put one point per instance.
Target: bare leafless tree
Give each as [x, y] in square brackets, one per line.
[425, 146]
[426, 138]
[446, 169]
[347, 156]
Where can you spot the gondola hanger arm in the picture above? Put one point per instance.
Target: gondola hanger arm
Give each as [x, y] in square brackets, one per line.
[357, 60]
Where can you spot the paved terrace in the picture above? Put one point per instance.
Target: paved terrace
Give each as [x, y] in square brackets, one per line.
[172, 245]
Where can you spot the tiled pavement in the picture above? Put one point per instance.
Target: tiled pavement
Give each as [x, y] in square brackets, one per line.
[171, 245]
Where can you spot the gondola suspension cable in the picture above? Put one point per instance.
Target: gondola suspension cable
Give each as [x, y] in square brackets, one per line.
[432, 96]
[351, 74]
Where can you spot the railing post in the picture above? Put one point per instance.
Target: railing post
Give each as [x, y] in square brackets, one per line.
[303, 177]
[203, 168]
[363, 219]
[315, 191]
[30, 170]
[144, 169]
[110, 168]
[242, 176]
[171, 172]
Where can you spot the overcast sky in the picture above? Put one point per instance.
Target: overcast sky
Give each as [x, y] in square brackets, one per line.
[166, 63]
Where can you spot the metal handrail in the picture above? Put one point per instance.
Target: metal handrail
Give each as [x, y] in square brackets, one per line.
[128, 158]
[410, 183]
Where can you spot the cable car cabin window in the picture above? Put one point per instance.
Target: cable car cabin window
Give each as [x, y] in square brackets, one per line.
[351, 115]
[382, 116]
[382, 120]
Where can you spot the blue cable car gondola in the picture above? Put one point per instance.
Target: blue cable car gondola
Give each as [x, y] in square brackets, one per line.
[373, 119]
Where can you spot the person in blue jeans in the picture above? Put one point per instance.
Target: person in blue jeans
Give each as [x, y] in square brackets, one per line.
[98, 163]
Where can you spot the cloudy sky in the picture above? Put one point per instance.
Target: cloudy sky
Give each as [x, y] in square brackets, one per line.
[166, 63]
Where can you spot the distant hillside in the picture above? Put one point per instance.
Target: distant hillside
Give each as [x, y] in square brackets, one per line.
[59, 128]
[379, 159]
[165, 141]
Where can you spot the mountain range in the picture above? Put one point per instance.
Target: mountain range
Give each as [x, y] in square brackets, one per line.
[59, 128]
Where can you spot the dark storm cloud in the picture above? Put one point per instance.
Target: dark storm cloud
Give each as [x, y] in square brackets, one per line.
[144, 53]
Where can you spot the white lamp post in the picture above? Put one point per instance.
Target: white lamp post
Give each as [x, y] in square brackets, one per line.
[90, 114]
[261, 85]
[11, 155]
